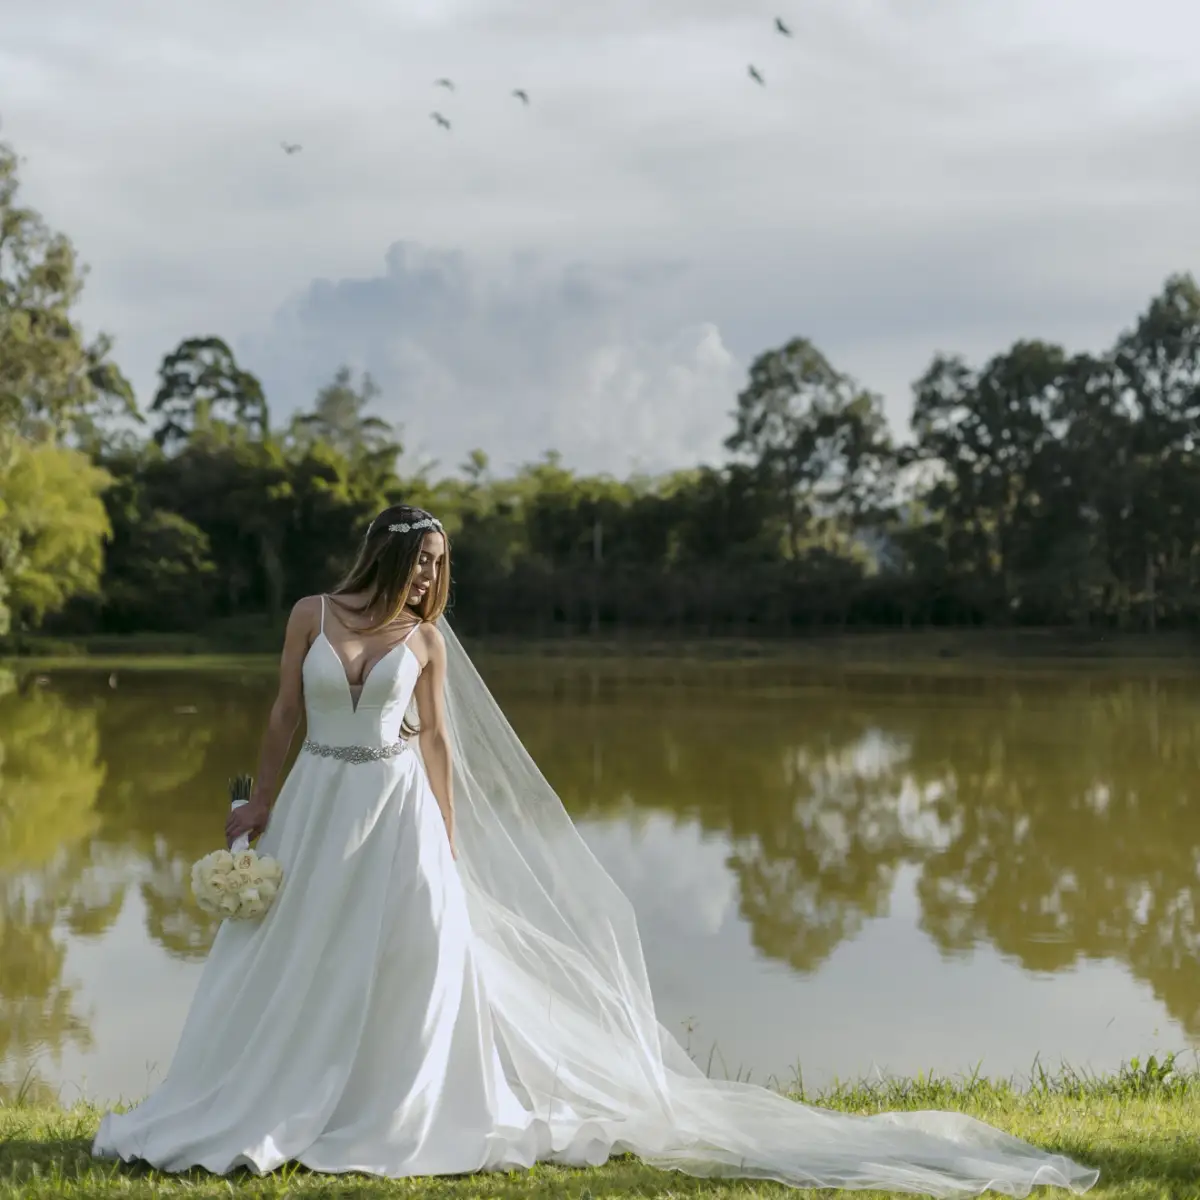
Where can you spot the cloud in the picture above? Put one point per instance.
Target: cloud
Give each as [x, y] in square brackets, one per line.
[518, 358]
[917, 175]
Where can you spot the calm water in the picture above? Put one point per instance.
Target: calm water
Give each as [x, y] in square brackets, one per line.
[889, 871]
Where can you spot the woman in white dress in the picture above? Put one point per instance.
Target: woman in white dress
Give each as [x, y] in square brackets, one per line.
[448, 981]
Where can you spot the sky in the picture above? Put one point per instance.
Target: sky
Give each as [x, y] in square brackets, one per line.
[593, 273]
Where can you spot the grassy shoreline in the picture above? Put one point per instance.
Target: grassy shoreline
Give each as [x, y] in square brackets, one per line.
[1139, 1126]
[948, 647]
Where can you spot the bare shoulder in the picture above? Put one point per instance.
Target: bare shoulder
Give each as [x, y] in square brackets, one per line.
[307, 608]
[305, 617]
[303, 624]
[432, 643]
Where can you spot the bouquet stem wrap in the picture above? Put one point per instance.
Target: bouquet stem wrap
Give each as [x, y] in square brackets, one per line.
[239, 795]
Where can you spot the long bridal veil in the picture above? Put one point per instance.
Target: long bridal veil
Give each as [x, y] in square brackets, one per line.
[577, 1031]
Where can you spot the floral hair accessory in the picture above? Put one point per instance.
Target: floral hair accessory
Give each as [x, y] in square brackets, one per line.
[424, 523]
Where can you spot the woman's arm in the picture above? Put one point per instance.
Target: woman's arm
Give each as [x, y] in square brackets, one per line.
[281, 723]
[435, 740]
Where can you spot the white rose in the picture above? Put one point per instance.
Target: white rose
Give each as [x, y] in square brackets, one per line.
[268, 868]
[227, 906]
[216, 884]
[266, 889]
[252, 906]
[245, 862]
[236, 880]
[206, 886]
[221, 860]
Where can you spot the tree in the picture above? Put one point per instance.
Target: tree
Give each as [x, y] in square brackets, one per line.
[818, 438]
[53, 525]
[721, 516]
[159, 572]
[52, 380]
[202, 386]
[239, 493]
[991, 434]
[339, 419]
[476, 466]
[1155, 388]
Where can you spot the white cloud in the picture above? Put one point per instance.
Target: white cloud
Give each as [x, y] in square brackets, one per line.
[917, 175]
[517, 359]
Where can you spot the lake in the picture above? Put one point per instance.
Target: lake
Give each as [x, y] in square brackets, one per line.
[850, 872]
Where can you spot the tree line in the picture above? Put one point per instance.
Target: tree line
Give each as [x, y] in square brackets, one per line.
[1041, 488]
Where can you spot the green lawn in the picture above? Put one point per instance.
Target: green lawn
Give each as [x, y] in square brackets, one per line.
[253, 637]
[1140, 1127]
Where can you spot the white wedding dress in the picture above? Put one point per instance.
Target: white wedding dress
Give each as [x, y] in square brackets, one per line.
[398, 1013]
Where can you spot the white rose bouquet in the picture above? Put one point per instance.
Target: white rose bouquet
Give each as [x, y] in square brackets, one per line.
[236, 884]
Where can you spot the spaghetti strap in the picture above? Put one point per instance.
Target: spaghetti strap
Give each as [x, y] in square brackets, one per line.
[404, 639]
[322, 612]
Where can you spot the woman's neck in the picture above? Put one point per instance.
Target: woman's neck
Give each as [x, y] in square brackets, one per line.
[367, 607]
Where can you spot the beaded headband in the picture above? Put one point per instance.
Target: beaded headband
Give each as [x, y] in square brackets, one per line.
[424, 523]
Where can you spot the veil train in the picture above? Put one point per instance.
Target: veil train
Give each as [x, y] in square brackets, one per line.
[578, 1033]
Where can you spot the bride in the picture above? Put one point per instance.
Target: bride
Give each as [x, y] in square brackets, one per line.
[448, 981]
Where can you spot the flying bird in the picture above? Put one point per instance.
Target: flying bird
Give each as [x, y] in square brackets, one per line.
[782, 28]
[448, 84]
[437, 116]
[521, 94]
[291, 147]
[756, 75]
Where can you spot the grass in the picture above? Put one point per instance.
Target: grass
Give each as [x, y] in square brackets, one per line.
[1140, 1127]
[1023, 651]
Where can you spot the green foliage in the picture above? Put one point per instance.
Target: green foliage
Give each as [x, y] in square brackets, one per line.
[51, 379]
[54, 385]
[52, 528]
[1040, 488]
[159, 573]
[202, 389]
[339, 419]
[1037, 489]
[818, 437]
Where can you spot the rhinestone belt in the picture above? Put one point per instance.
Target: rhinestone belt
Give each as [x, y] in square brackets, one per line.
[356, 754]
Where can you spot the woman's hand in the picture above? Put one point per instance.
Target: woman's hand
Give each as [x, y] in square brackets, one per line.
[248, 818]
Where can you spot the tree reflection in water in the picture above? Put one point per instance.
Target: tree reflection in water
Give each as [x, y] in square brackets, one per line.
[1049, 815]
[101, 794]
[50, 774]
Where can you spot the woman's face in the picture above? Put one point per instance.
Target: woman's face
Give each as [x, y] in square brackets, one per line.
[429, 566]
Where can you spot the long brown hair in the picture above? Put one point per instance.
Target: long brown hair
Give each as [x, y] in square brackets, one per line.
[387, 565]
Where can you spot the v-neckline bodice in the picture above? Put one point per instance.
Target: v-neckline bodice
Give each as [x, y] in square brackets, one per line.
[368, 673]
[350, 687]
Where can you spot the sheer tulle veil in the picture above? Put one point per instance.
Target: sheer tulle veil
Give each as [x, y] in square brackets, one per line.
[574, 1018]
